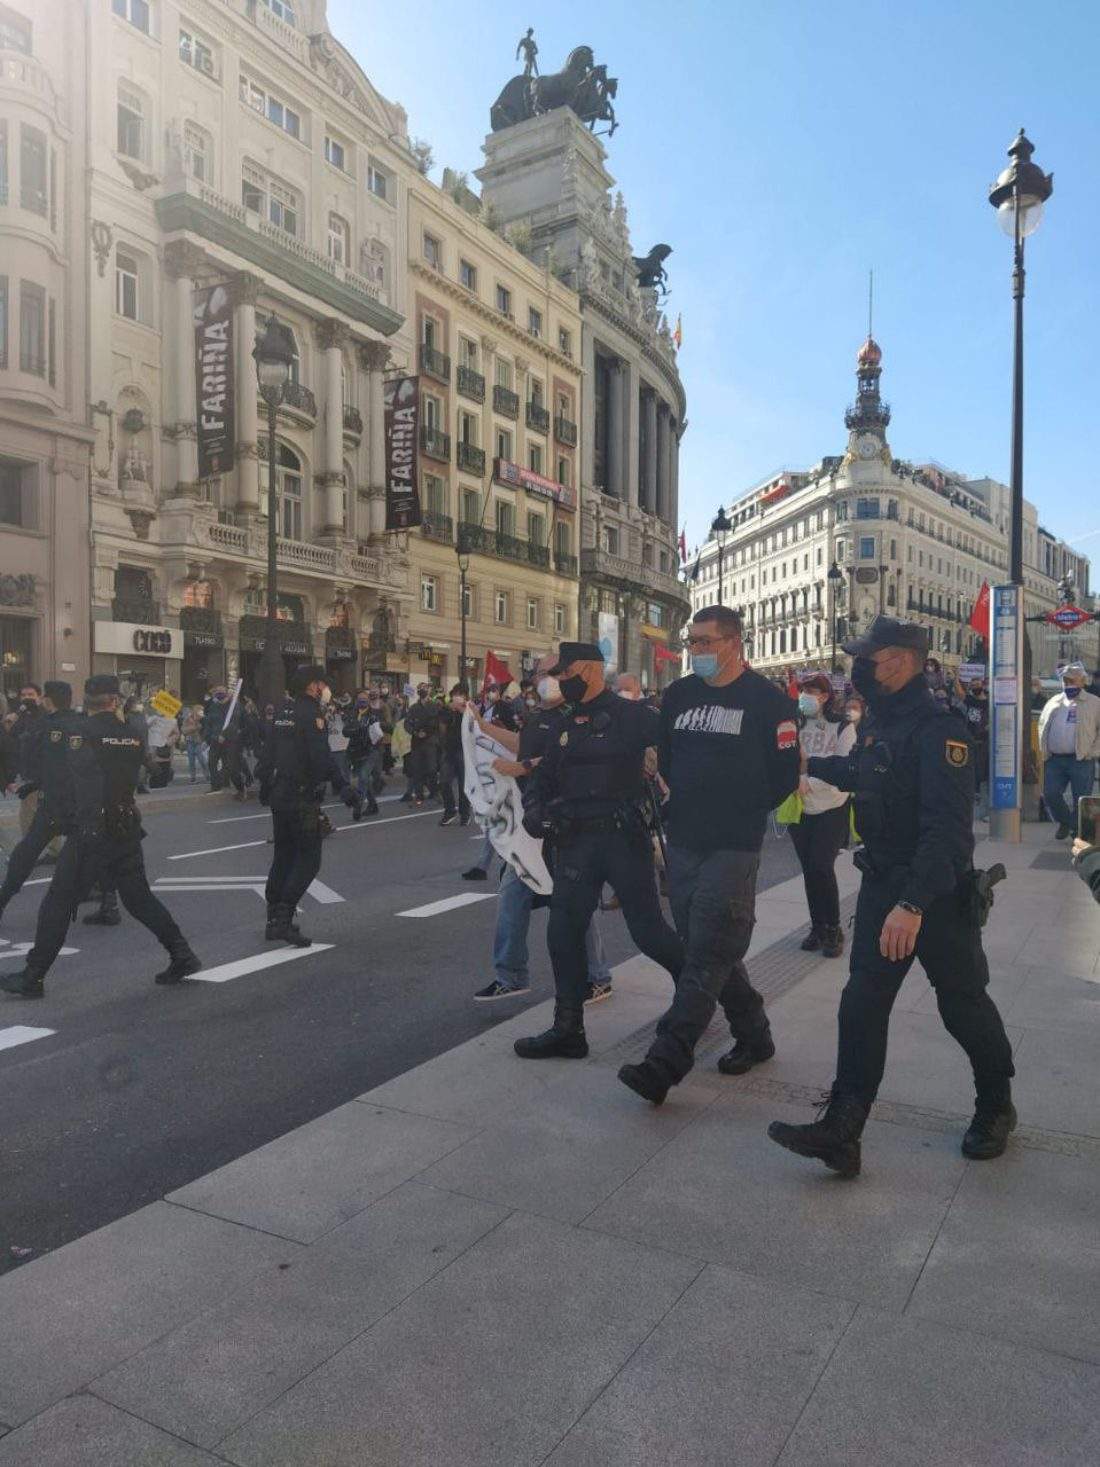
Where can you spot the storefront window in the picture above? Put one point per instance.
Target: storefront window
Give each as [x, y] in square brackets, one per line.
[15, 653]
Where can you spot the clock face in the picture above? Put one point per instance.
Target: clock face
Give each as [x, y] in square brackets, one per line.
[867, 445]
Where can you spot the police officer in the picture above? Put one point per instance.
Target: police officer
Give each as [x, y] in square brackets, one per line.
[588, 797]
[89, 776]
[293, 771]
[912, 776]
[48, 731]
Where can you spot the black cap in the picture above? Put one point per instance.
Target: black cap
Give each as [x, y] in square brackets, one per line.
[576, 652]
[102, 685]
[59, 693]
[888, 631]
[306, 674]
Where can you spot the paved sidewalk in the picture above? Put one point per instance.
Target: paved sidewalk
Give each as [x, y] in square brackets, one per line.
[487, 1263]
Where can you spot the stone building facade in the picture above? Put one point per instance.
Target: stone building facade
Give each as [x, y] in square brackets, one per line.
[44, 441]
[235, 144]
[497, 354]
[545, 179]
[815, 554]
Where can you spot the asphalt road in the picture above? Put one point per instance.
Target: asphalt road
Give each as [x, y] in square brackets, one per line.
[136, 1090]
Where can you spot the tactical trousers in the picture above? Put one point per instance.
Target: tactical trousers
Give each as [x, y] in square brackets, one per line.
[949, 947]
[22, 860]
[818, 839]
[713, 896]
[583, 862]
[117, 864]
[297, 858]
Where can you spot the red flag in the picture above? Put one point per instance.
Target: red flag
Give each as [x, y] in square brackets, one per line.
[979, 617]
[683, 546]
[496, 672]
[792, 686]
[665, 654]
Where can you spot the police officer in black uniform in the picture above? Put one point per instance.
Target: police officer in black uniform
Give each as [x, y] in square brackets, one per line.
[912, 776]
[89, 776]
[49, 730]
[293, 771]
[587, 797]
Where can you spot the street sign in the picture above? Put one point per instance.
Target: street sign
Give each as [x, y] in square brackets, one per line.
[1006, 669]
[1068, 617]
[164, 703]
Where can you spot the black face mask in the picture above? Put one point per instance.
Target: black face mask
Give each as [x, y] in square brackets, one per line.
[573, 688]
[863, 678]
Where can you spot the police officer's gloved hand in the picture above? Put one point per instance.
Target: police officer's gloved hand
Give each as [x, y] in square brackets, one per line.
[354, 801]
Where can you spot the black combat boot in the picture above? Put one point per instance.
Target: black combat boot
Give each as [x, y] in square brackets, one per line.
[183, 962]
[748, 1052]
[832, 944]
[28, 984]
[812, 941]
[647, 1080]
[107, 915]
[281, 927]
[563, 1040]
[994, 1120]
[833, 1138]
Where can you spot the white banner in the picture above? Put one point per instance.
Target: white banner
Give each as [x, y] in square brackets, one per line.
[498, 806]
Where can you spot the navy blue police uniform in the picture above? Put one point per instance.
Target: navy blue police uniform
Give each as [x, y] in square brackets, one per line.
[40, 771]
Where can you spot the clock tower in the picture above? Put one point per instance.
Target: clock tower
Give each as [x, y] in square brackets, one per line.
[867, 419]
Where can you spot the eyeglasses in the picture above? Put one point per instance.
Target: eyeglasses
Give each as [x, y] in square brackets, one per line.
[703, 644]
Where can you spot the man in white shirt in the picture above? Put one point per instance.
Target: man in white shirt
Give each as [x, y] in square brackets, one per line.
[1069, 738]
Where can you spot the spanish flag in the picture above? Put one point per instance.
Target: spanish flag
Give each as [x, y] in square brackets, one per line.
[678, 334]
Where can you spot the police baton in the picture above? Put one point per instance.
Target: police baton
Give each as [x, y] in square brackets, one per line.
[655, 816]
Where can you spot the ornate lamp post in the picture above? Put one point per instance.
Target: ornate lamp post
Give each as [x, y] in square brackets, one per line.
[835, 576]
[1018, 196]
[273, 354]
[720, 527]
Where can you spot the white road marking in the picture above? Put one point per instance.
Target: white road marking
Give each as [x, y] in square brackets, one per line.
[22, 1034]
[365, 824]
[322, 893]
[448, 904]
[21, 949]
[167, 884]
[258, 961]
[266, 814]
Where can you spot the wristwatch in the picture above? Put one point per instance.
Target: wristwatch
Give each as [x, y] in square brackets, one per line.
[528, 764]
[911, 907]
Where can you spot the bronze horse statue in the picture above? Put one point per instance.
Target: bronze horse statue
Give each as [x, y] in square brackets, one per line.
[651, 268]
[581, 85]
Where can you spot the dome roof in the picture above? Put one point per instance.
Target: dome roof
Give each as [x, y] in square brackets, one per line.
[870, 353]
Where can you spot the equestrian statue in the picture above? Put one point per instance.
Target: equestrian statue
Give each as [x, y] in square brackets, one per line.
[581, 85]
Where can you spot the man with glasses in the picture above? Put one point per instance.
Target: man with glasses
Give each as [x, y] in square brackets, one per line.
[728, 751]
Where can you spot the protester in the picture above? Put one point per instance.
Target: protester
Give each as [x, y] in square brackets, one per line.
[822, 831]
[191, 731]
[422, 726]
[1069, 740]
[163, 736]
[367, 727]
[854, 709]
[1086, 860]
[974, 707]
[452, 770]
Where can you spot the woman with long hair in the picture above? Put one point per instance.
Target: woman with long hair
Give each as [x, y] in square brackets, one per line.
[823, 830]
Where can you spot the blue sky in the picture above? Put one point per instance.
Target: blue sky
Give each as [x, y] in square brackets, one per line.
[784, 148]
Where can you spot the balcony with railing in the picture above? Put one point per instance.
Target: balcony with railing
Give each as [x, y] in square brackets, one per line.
[436, 444]
[565, 563]
[438, 527]
[505, 401]
[437, 364]
[565, 431]
[483, 540]
[630, 576]
[353, 421]
[471, 384]
[471, 458]
[538, 417]
[298, 399]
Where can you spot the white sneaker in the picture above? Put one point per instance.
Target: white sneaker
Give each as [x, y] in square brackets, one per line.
[597, 992]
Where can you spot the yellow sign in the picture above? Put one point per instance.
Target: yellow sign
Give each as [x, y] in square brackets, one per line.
[164, 703]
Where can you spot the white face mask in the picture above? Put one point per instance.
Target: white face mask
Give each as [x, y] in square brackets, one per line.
[630, 697]
[325, 697]
[549, 689]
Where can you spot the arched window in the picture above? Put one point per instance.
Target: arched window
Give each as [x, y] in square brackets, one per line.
[288, 484]
[339, 239]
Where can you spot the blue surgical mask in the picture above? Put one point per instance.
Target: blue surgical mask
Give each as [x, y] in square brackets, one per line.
[704, 664]
[807, 704]
[1070, 691]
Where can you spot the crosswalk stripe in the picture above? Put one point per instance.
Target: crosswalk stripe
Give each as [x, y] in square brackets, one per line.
[22, 1034]
[254, 964]
[448, 904]
[340, 830]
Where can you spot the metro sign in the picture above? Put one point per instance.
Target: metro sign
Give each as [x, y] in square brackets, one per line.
[1068, 617]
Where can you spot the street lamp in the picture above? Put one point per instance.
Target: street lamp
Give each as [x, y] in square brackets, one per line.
[463, 566]
[273, 354]
[1018, 196]
[720, 527]
[835, 575]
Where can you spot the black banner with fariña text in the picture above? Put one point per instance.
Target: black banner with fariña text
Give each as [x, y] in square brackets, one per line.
[401, 396]
[214, 380]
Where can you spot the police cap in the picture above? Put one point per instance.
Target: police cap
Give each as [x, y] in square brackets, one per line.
[576, 652]
[888, 631]
[102, 685]
[306, 674]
